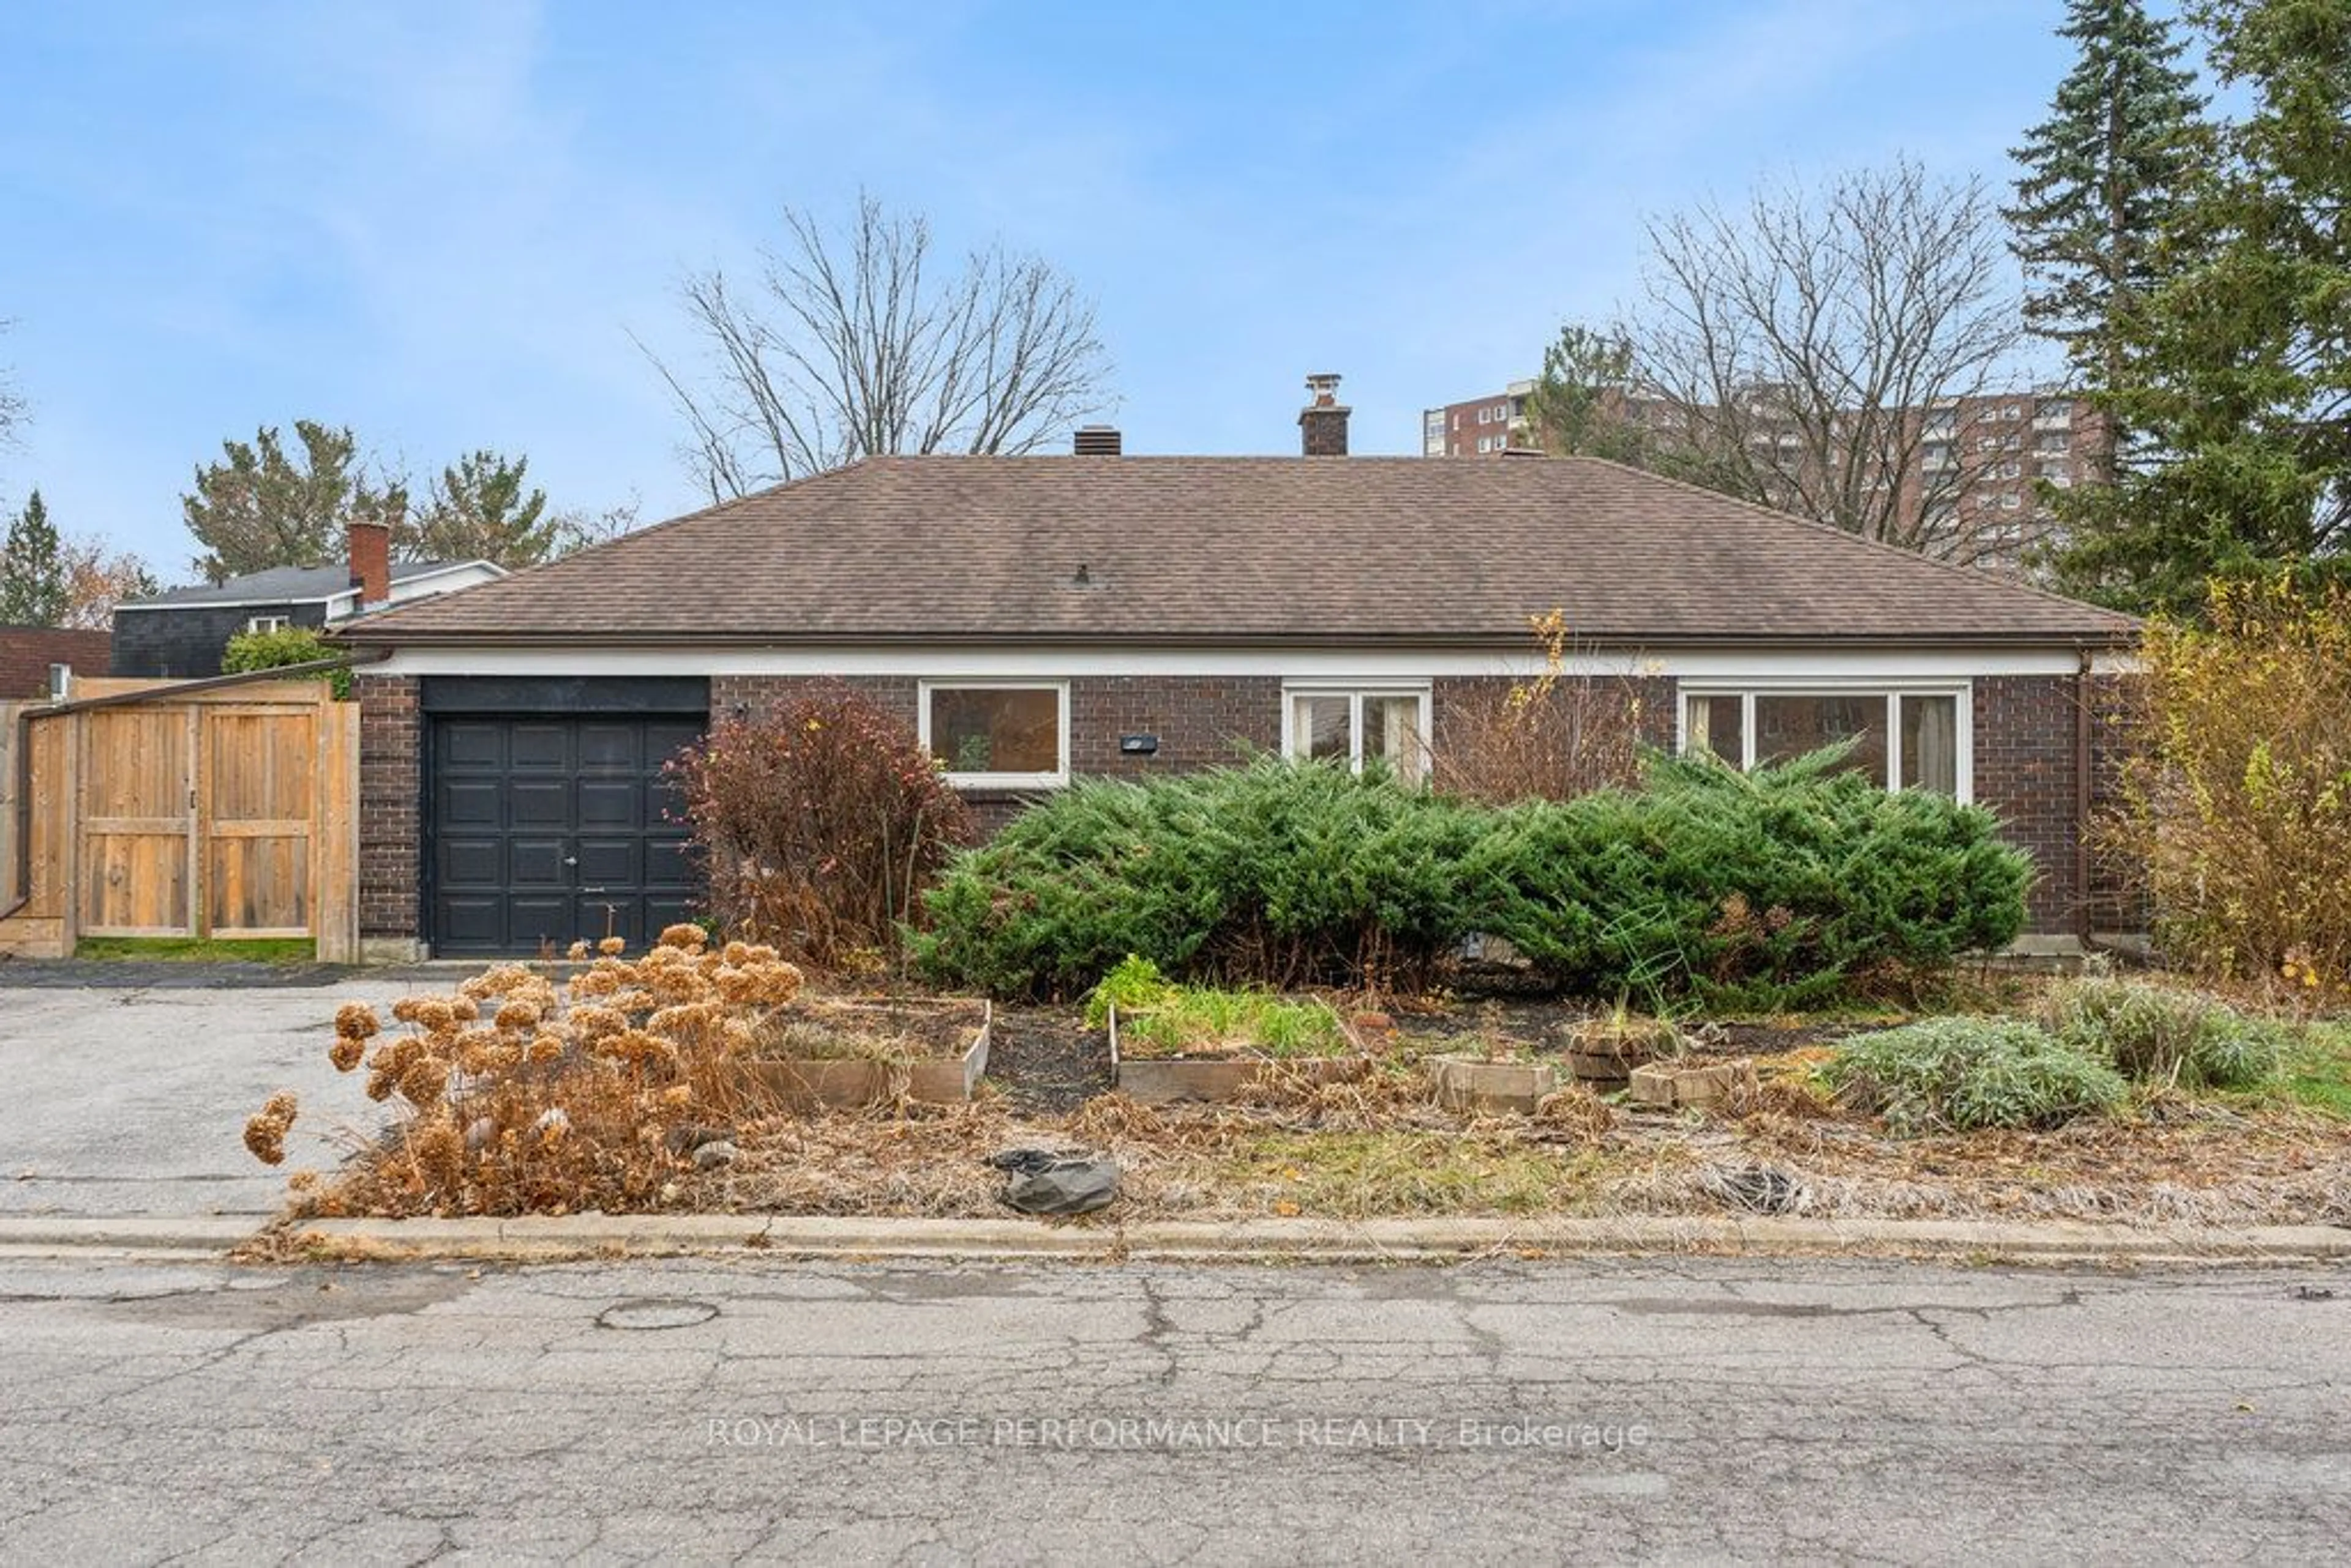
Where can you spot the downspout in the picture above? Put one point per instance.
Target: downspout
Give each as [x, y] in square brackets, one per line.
[21, 873]
[2084, 803]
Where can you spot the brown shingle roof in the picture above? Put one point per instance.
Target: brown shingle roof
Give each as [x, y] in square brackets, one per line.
[1240, 550]
[27, 652]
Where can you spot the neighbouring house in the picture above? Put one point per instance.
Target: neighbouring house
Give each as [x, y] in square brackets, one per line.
[1036, 619]
[182, 633]
[27, 652]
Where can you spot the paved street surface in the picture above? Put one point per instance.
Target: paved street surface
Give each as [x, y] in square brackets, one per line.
[131, 1099]
[689, 1412]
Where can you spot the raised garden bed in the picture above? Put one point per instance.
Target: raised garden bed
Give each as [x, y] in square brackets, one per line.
[848, 1054]
[1674, 1085]
[1602, 1052]
[1208, 1066]
[1474, 1083]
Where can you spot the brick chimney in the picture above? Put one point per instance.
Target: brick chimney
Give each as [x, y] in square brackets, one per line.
[371, 562]
[1322, 423]
[1096, 441]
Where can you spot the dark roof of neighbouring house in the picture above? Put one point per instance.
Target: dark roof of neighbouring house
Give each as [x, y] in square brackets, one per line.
[1358, 550]
[27, 652]
[278, 585]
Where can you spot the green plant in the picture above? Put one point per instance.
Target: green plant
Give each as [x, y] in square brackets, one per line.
[1275, 873]
[200, 949]
[250, 652]
[819, 826]
[1132, 985]
[2157, 1034]
[1201, 1019]
[1788, 887]
[1957, 1074]
[2318, 1074]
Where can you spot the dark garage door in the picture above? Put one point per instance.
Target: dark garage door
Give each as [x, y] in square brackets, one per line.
[547, 829]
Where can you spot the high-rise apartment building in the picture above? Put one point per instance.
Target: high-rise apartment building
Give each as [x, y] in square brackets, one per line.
[1482, 427]
[1968, 464]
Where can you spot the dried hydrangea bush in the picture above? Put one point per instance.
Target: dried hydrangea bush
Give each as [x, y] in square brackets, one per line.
[521, 1093]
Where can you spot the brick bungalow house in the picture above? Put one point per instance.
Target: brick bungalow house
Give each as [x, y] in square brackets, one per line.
[1037, 618]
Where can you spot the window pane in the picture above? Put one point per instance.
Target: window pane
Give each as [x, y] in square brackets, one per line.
[1318, 729]
[980, 730]
[1391, 735]
[1714, 727]
[1930, 743]
[1789, 726]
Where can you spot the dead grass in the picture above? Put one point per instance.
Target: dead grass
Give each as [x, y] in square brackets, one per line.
[1376, 1144]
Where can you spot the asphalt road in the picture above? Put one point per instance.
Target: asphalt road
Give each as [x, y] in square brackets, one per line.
[131, 1098]
[689, 1412]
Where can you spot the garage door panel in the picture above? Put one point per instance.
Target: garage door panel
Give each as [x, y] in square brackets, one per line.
[468, 803]
[472, 920]
[607, 862]
[612, 747]
[540, 747]
[532, 922]
[538, 862]
[668, 868]
[472, 862]
[538, 804]
[532, 812]
[472, 744]
[667, 910]
[611, 803]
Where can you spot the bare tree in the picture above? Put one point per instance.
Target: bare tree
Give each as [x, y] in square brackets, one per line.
[1805, 350]
[13, 409]
[582, 527]
[853, 345]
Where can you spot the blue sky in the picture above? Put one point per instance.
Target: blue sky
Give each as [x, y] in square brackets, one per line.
[440, 223]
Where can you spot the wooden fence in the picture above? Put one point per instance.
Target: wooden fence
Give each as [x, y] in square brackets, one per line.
[222, 813]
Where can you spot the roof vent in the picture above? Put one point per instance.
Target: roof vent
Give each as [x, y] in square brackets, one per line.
[1097, 440]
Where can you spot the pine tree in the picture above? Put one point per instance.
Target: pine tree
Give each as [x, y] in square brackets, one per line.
[1582, 405]
[479, 510]
[2100, 180]
[260, 507]
[33, 588]
[2236, 367]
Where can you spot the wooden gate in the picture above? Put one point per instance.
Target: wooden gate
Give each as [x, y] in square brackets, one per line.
[226, 813]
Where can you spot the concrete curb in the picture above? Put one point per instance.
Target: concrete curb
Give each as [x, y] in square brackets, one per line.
[206, 1236]
[540, 1238]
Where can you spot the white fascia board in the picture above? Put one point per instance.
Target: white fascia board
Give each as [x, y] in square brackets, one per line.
[946, 661]
[443, 580]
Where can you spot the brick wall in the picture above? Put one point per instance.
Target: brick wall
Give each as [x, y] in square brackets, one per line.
[2024, 740]
[1201, 721]
[2118, 899]
[392, 753]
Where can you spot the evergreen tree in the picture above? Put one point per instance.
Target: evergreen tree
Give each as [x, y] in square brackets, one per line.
[479, 510]
[260, 507]
[1582, 406]
[2235, 369]
[32, 587]
[2100, 180]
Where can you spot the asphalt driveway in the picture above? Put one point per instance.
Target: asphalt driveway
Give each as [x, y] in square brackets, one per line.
[124, 1089]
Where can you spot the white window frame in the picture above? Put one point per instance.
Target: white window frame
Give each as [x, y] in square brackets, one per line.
[1746, 691]
[1356, 692]
[1057, 778]
[268, 622]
